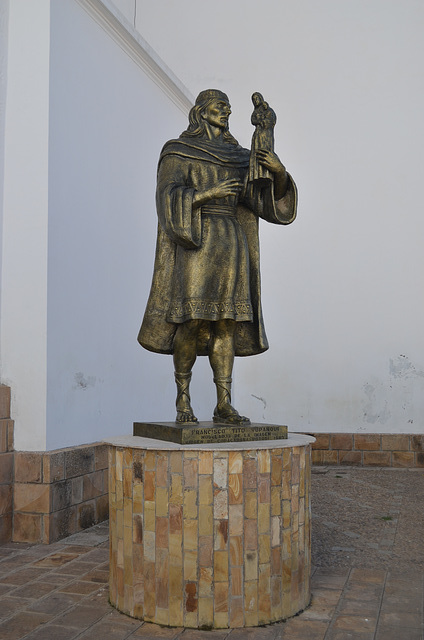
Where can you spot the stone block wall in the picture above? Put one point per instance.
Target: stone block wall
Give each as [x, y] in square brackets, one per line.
[6, 466]
[46, 496]
[59, 492]
[369, 450]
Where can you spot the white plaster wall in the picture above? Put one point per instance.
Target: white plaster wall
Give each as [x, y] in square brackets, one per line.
[108, 122]
[342, 287]
[4, 23]
[25, 205]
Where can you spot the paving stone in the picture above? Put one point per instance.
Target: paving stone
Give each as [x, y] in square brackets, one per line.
[80, 587]
[401, 619]
[392, 633]
[34, 590]
[9, 604]
[56, 603]
[358, 624]
[80, 617]
[148, 630]
[21, 624]
[53, 632]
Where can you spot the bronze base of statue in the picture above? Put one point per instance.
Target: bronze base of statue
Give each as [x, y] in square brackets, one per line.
[209, 432]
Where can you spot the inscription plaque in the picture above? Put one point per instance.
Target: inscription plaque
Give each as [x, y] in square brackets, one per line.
[209, 432]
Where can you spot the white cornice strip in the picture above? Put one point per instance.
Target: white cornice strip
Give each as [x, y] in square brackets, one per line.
[123, 33]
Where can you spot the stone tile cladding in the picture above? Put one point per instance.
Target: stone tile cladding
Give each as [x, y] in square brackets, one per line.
[60, 492]
[210, 539]
[6, 466]
[374, 449]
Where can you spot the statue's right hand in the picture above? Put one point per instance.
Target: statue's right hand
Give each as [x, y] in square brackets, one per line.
[230, 187]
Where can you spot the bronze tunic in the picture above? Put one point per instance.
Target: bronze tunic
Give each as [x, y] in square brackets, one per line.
[207, 259]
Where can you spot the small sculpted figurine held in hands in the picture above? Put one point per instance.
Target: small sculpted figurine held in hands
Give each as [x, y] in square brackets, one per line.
[205, 297]
[264, 119]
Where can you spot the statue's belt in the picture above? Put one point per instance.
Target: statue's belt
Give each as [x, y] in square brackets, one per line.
[222, 209]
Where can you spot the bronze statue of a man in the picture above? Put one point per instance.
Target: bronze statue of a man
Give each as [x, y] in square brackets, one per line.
[205, 297]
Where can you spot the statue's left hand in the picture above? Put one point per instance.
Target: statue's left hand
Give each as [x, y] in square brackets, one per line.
[271, 161]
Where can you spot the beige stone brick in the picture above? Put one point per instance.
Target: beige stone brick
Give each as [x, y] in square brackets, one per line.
[264, 523]
[176, 549]
[205, 520]
[367, 442]
[161, 501]
[287, 485]
[250, 597]
[205, 462]
[220, 529]
[235, 488]
[264, 549]
[236, 550]
[149, 515]
[350, 457]
[138, 498]
[205, 490]
[162, 533]
[54, 467]
[235, 516]
[403, 458]
[176, 493]
[275, 501]
[190, 472]
[190, 564]
[221, 620]
[205, 582]
[377, 458]
[162, 470]
[276, 469]
[251, 504]
[220, 472]
[176, 462]
[205, 551]
[341, 441]
[28, 467]
[322, 441]
[150, 460]
[276, 523]
[220, 504]
[249, 473]
[235, 462]
[27, 527]
[250, 534]
[32, 498]
[128, 512]
[221, 566]
[236, 613]
[250, 565]
[264, 461]
[236, 580]
[175, 581]
[190, 534]
[221, 592]
[190, 503]
[176, 610]
[206, 612]
[149, 546]
[149, 485]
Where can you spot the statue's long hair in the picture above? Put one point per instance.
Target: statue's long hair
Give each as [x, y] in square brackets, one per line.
[196, 127]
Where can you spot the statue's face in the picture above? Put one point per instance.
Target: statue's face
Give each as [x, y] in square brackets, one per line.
[217, 113]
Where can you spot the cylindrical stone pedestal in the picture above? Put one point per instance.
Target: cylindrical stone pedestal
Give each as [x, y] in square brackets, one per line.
[213, 535]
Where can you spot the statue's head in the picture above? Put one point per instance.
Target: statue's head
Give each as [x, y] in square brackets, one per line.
[196, 127]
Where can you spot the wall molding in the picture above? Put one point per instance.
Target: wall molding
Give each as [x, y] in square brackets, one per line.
[128, 38]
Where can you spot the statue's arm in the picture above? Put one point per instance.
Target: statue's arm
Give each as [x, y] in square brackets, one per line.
[177, 215]
[278, 202]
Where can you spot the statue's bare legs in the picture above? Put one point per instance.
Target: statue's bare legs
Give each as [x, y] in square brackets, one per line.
[185, 349]
[221, 358]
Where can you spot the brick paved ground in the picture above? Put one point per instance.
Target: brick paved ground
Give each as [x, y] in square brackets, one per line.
[367, 583]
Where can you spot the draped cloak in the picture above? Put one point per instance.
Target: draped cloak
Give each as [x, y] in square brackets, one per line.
[186, 239]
